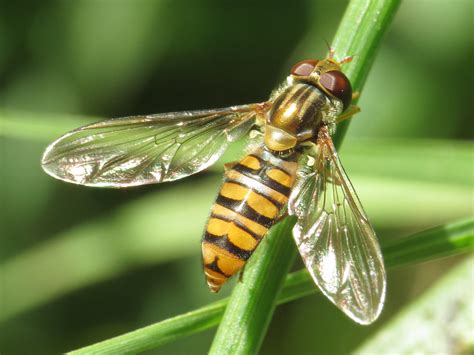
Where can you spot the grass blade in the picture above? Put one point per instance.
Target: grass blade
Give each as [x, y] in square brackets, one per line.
[359, 34]
[444, 241]
[360, 31]
[257, 294]
[418, 248]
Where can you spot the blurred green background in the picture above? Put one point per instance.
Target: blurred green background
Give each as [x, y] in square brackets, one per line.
[79, 265]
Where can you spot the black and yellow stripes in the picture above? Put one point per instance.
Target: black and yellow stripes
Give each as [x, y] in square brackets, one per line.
[249, 202]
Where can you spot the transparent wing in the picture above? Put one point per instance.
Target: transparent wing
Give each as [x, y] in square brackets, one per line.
[334, 237]
[146, 149]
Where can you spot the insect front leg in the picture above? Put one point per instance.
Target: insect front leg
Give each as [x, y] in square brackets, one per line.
[351, 111]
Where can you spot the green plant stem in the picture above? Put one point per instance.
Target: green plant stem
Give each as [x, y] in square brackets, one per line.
[444, 241]
[456, 238]
[244, 325]
[253, 301]
[359, 35]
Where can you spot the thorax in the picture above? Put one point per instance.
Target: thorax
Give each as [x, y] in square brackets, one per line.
[297, 113]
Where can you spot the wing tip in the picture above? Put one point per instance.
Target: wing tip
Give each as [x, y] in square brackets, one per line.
[368, 315]
[366, 319]
[364, 313]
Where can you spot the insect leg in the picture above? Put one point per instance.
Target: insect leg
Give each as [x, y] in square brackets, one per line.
[351, 111]
[241, 275]
[229, 166]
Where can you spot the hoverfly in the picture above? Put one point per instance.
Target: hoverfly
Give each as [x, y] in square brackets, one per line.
[294, 167]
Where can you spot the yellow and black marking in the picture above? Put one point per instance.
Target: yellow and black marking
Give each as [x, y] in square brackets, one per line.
[249, 202]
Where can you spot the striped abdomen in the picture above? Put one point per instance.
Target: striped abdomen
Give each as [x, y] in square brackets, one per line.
[249, 202]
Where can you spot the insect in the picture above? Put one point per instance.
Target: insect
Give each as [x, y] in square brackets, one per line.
[294, 168]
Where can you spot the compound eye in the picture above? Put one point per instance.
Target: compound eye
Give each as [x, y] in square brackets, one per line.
[338, 85]
[304, 68]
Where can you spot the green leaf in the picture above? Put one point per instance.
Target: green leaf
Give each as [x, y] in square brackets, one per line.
[418, 247]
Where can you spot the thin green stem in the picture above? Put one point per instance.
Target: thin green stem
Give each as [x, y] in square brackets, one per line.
[257, 294]
[359, 35]
[456, 238]
[244, 325]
